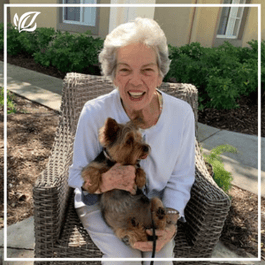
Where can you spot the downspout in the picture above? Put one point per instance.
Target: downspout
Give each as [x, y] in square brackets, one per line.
[192, 21]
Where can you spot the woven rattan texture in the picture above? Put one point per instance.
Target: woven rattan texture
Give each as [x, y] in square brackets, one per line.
[58, 231]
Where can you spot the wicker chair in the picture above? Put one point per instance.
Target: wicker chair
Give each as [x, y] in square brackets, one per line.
[58, 231]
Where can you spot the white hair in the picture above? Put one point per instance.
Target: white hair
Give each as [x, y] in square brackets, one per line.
[141, 30]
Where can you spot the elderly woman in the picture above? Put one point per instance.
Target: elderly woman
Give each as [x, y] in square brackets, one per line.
[135, 57]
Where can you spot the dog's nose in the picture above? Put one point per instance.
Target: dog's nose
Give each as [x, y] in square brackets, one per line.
[146, 148]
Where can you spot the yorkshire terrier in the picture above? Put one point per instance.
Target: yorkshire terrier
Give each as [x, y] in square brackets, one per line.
[128, 215]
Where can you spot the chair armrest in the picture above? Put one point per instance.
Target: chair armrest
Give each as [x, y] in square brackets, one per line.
[51, 193]
[207, 209]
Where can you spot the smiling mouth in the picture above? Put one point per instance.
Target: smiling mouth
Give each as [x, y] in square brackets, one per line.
[136, 95]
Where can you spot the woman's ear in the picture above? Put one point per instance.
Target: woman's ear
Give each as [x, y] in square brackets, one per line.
[159, 81]
[115, 82]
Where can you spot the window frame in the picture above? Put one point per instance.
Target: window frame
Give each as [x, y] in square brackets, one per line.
[77, 27]
[81, 16]
[230, 26]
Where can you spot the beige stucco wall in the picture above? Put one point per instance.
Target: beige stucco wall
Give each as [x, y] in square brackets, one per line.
[251, 29]
[175, 21]
[205, 23]
[184, 25]
[262, 21]
[120, 15]
[49, 15]
[2, 2]
[104, 14]
[200, 24]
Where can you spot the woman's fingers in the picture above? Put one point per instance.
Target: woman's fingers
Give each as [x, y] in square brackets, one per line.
[119, 177]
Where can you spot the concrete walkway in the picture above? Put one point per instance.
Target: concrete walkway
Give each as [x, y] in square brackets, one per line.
[47, 90]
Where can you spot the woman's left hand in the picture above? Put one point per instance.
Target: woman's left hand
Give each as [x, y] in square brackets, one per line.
[163, 237]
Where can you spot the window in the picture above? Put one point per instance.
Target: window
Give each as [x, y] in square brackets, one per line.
[231, 19]
[80, 15]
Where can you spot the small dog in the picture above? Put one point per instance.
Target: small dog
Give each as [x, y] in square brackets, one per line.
[128, 215]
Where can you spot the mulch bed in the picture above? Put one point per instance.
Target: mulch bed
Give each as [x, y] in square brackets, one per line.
[243, 119]
[30, 143]
[30, 135]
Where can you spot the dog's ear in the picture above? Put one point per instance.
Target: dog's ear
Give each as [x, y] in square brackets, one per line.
[108, 133]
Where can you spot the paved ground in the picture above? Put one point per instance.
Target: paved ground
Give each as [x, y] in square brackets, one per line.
[244, 164]
[47, 91]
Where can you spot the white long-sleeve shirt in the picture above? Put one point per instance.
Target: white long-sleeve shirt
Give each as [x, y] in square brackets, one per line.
[170, 166]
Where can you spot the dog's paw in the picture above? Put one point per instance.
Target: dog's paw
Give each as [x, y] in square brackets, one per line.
[160, 213]
[140, 178]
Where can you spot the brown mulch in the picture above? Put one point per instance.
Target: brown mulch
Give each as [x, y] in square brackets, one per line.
[243, 119]
[31, 132]
[30, 135]
[240, 232]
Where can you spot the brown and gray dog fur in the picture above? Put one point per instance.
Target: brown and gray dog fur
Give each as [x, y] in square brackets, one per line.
[128, 215]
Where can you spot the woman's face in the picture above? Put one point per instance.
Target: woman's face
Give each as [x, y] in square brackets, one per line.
[137, 76]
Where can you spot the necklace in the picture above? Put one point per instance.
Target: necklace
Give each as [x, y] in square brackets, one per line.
[160, 102]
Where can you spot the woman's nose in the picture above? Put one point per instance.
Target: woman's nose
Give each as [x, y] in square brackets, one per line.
[136, 79]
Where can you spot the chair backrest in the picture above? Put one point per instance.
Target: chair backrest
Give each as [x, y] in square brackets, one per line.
[79, 88]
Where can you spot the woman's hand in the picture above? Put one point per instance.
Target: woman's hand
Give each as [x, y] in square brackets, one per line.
[164, 236]
[119, 177]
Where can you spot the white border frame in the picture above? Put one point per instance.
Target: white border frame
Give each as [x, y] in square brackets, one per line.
[133, 259]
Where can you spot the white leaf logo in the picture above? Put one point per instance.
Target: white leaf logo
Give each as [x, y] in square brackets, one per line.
[21, 23]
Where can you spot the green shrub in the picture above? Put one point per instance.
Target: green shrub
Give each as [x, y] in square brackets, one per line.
[250, 61]
[10, 104]
[36, 41]
[222, 177]
[226, 78]
[1, 36]
[13, 44]
[68, 52]
[221, 74]
[187, 65]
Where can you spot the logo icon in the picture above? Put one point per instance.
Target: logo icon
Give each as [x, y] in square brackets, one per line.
[20, 23]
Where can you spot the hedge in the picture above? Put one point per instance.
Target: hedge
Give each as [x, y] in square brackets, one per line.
[67, 52]
[221, 74]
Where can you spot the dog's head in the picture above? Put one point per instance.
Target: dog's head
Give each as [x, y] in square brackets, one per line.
[123, 142]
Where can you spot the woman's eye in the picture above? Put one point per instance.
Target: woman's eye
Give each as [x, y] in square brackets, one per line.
[148, 70]
[124, 71]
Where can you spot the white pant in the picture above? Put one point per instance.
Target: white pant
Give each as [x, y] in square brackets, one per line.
[111, 246]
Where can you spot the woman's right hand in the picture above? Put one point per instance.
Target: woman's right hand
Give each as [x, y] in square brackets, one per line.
[119, 177]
